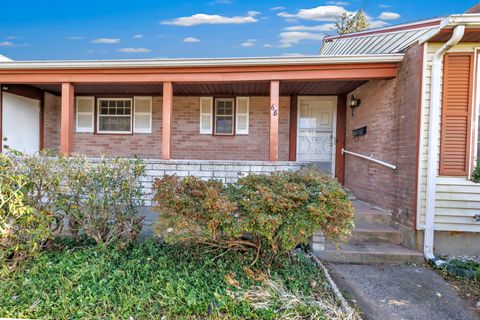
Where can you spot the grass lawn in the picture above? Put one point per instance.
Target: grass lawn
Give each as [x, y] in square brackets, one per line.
[151, 280]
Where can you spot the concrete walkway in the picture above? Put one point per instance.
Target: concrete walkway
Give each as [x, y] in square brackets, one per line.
[401, 292]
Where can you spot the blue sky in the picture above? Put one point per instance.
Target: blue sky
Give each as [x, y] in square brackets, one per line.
[113, 29]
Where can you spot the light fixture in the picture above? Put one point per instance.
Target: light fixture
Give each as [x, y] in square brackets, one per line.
[354, 103]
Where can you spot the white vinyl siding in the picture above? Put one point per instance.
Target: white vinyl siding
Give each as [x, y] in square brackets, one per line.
[242, 115]
[206, 115]
[457, 198]
[142, 119]
[84, 118]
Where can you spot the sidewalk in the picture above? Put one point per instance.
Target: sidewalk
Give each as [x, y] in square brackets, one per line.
[401, 292]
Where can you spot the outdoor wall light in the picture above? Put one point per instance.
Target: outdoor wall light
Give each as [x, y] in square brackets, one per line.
[354, 103]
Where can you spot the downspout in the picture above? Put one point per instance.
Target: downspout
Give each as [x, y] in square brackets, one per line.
[433, 145]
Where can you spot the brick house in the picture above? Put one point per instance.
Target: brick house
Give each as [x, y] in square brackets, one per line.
[391, 113]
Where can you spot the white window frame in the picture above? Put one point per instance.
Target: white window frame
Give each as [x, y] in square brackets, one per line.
[216, 115]
[92, 114]
[99, 115]
[150, 114]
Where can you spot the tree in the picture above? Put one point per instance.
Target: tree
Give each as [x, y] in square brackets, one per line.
[348, 23]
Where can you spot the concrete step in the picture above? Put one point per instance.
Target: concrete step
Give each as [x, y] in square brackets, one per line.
[369, 253]
[375, 232]
[373, 216]
[367, 213]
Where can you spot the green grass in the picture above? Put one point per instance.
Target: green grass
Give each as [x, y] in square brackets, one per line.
[151, 280]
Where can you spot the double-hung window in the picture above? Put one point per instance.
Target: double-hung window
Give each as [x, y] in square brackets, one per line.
[224, 116]
[114, 115]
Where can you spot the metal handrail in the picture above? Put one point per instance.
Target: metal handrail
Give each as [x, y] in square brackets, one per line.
[371, 158]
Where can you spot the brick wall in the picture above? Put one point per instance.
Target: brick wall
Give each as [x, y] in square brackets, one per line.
[390, 110]
[187, 143]
[52, 122]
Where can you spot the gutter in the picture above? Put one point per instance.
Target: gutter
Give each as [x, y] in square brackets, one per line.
[204, 62]
[433, 145]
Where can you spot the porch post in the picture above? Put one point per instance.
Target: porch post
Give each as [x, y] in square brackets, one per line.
[66, 121]
[274, 111]
[167, 118]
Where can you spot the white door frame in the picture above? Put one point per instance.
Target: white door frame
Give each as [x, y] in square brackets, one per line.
[334, 130]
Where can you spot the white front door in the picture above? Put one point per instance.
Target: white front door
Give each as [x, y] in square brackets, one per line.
[316, 131]
[20, 123]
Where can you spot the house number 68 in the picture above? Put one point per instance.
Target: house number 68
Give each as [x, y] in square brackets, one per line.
[275, 110]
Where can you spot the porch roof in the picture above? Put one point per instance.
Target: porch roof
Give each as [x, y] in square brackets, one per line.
[199, 62]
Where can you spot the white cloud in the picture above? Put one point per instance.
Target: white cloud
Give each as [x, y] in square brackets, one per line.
[249, 43]
[389, 15]
[377, 24]
[320, 13]
[201, 18]
[287, 39]
[383, 6]
[138, 36]
[322, 27]
[106, 40]
[337, 3]
[134, 50]
[191, 39]
[75, 38]
[6, 44]
[277, 8]
[267, 45]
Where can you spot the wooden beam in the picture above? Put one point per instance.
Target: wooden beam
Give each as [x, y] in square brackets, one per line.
[167, 120]
[274, 114]
[293, 128]
[324, 72]
[24, 91]
[341, 136]
[67, 119]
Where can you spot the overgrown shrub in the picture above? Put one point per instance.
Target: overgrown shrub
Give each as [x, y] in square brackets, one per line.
[101, 199]
[98, 199]
[23, 228]
[275, 212]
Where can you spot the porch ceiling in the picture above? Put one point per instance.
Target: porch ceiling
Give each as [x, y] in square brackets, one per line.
[208, 89]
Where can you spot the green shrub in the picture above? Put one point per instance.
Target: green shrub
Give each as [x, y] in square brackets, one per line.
[42, 186]
[275, 212]
[101, 199]
[98, 199]
[476, 173]
[23, 228]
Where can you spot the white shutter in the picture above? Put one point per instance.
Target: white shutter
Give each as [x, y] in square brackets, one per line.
[206, 115]
[142, 118]
[84, 116]
[243, 106]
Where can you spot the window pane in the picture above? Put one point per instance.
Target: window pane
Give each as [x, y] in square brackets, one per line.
[224, 125]
[121, 123]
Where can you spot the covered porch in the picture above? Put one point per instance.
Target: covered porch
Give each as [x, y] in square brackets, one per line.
[292, 110]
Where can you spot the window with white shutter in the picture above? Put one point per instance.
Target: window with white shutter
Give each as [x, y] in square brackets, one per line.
[84, 115]
[243, 106]
[206, 115]
[142, 120]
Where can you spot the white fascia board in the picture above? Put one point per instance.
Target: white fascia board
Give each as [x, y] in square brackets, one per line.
[207, 62]
[450, 22]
